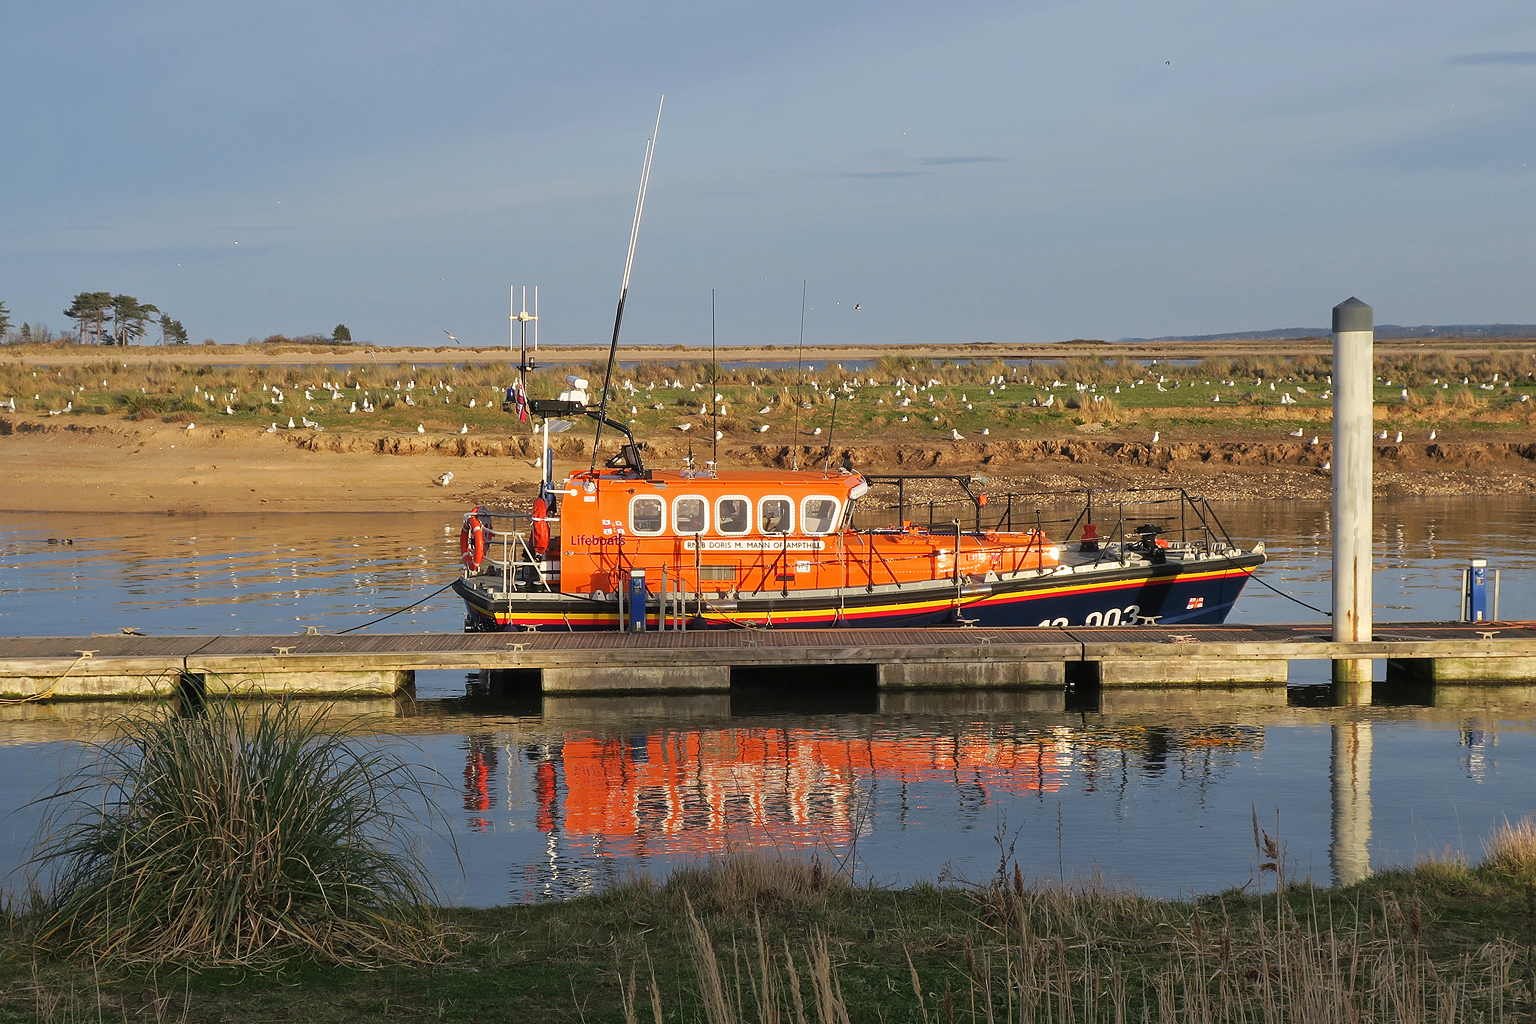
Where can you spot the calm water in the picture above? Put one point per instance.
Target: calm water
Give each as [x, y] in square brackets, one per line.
[547, 797]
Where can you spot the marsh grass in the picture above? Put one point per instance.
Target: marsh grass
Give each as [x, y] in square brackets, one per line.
[233, 396]
[231, 836]
[770, 940]
[1089, 953]
[1512, 847]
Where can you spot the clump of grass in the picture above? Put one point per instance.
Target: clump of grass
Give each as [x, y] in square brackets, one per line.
[224, 837]
[1512, 847]
[740, 881]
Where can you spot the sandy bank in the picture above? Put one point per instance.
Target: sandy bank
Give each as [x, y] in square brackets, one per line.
[101, 463]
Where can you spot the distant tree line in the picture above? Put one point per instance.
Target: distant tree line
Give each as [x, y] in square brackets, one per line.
[106, 319]
[102, 318]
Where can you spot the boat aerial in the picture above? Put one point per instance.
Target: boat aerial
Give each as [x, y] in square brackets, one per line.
[625, 546]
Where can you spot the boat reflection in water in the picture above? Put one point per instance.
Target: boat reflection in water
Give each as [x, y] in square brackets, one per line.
[551, 797]
[681, 793]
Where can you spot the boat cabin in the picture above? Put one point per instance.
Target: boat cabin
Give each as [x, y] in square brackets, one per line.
[731, 531]
[755, 531]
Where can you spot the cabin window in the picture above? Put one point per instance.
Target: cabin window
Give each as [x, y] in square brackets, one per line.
[647, 515]
[690, 515]
[733, 516]
[818, 515]
[776, 515]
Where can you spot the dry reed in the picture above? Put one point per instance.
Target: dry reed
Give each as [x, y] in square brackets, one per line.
[1090, 954]
[1512, 847]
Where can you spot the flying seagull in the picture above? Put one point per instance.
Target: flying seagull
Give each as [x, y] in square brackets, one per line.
[452, 338]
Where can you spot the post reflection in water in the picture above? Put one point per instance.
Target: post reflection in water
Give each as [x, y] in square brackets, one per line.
[1349, 854]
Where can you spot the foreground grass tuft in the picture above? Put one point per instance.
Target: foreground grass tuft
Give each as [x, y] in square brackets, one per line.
[233, 836]
[1512, 847]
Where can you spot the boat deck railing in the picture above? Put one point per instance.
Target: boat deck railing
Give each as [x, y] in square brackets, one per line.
[1109, 517]
[512, 530]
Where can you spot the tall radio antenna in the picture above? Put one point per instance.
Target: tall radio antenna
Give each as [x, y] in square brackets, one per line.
[800, 382]
[523, 318]
[714, 378]
[629, 262]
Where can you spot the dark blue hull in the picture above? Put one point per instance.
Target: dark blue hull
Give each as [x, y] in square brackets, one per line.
[1197, 593]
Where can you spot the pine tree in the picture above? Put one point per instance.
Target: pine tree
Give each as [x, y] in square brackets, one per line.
[5, 321]
[341, 335]
[89, 311]
[171, 331]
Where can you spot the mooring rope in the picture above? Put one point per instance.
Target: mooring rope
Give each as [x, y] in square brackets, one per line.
[1288, 597]
[45, 694]
[397, 611]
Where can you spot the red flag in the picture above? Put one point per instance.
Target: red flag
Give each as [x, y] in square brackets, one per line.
[522, 403]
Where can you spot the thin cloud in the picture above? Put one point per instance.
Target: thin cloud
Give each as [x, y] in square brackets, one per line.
[880, 174]
[945, 161]
[1511, 57]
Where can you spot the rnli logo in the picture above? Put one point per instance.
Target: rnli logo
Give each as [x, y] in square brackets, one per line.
[1195, 602]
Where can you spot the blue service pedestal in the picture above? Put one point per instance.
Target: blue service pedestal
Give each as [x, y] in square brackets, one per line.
[636, 601]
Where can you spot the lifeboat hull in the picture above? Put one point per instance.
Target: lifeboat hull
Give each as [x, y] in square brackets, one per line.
[1198, 592]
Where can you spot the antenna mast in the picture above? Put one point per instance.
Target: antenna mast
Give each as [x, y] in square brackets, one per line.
[800, 382]
[629, 262]
[714, 378]
[523, 318]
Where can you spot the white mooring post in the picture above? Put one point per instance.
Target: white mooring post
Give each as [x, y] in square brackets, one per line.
[1354, 341]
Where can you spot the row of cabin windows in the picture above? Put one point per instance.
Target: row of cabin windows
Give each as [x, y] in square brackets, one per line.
[733, 515]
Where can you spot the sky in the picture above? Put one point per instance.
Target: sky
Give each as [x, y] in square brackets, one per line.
[984, 171]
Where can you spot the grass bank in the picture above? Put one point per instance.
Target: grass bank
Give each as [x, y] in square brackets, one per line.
[901, 398]
[757, 940]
